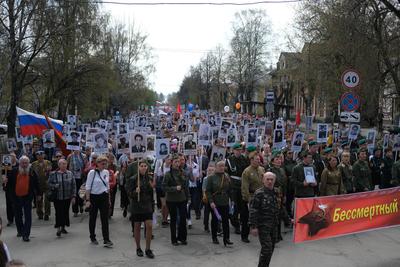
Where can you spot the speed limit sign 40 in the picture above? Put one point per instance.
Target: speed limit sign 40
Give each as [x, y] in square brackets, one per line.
[350, 79]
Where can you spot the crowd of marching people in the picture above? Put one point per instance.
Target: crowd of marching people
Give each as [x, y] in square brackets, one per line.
[251, 185]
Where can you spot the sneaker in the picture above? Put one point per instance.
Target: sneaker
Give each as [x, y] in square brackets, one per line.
[26, 239]
[149, 254]
[63, 231]
[108, 244]
[94, 242]
[190, 224]
[139, 252]
[58, 233]
[183, 242]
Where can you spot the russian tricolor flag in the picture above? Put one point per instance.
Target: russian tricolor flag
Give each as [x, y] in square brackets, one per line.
[34, 124]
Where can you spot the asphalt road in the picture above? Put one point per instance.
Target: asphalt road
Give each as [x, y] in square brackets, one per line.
[376, 248]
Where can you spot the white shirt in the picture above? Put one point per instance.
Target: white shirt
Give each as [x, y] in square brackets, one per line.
[100, 184]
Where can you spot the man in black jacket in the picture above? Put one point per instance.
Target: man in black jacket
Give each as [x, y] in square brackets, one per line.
[23, 184]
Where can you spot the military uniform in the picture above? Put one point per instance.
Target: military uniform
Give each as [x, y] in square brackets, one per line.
[362, 176]
[251, 181]
[42, 170]
[280, 189]
[376, 174]
[396, 174]
[347, 177]
[288, 166]
[264, 215]
[331, 183]
[235, 167]
[319, 168]
[298, 179]
[218, 192]
[386, 173]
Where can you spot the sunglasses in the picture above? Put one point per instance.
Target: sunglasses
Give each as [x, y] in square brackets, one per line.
[58, 156]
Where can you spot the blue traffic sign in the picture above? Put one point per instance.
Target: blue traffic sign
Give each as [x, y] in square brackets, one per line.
[350, 101]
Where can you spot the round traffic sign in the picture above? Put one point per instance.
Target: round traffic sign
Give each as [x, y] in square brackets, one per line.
[350, 101]
[350, 79]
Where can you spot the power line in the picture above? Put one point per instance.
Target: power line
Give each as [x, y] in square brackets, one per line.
[198, 3]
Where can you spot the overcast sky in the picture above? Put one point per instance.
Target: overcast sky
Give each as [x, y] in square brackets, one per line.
[182, 35]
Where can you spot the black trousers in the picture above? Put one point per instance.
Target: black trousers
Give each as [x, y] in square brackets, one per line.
[23, 215]
[289, 201]
[206, 219]
[78, 200]
[237, 199]
[224, 212]
[244, 220]
[174, 208]
[9, 207]
[99, 203]
[62, 212]
[266, 237]
[124, 202]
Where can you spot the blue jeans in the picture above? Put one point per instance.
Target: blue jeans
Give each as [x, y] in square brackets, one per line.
[23, 215]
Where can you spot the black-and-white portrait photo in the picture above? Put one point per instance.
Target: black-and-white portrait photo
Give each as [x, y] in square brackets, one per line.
[231, 137]
[252, 136]
[150, 143]
[48, 138]
[279, 124]
[189, 144]
[336, 136]
[162, 148]
[204, 134]
[137, 143]
[72, 121]
[279, 140]
[297, 141]
[74, 141]
[101, 143]
[141, 122]
[322, 133]
[211, 120]
[354, 131]
[7, 160]
[18, 135]
[182, 126]
[123, 128]
[123, 143]
[103, 124]
[217, 154]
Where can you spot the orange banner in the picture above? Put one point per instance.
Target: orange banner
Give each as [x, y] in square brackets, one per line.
[325, 217]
